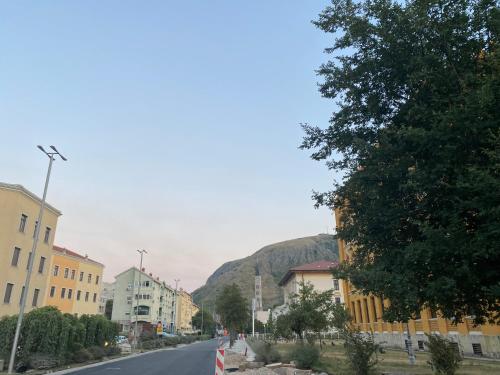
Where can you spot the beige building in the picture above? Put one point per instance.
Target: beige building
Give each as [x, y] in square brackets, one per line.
[185, 311]
[19, 210]
[74, 284]
[319, 274]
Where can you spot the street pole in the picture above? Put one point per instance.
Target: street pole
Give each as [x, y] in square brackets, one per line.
[175, 306]
[202, 318]
[137, 303]
[253, 317]
[411, 354]
[32, 258]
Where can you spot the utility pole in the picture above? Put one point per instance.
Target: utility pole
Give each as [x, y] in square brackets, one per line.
[411, 353]
[202, 318]
[175, 305]
[142, 252]
[253, 317]
[51, 155]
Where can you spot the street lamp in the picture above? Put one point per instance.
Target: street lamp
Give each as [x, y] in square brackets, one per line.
[142, 252]
[175, 306]
[51, 155]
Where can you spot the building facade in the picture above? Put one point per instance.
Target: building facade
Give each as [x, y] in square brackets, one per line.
[367, 311]
[107, 293]
[185, 310]
[19, 210]
[318, 274]
[152, 304]
[74, 284]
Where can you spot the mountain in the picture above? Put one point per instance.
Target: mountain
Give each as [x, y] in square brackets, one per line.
[271, 262]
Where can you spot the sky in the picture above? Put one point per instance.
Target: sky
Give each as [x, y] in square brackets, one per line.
[180, 121]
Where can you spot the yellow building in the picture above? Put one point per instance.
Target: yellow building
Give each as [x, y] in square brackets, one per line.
[186, 309]
[74, 284]
[19, 210]
[367, 310]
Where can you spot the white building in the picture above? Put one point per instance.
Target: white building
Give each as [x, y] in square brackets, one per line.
[153, 304]
[107, 293]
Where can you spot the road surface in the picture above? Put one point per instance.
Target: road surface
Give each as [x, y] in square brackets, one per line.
[194, 359]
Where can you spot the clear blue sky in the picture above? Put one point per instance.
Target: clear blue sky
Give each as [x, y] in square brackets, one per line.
[180, 120]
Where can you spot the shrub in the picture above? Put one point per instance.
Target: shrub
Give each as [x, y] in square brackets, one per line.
[82, 355]
[170, 341]
[112, 350]
[265, 351]
[41, 361]
[361, 353]
[306, 356]
[445, 359]
[97, 352]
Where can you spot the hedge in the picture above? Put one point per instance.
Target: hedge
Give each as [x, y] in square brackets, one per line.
[47, 331]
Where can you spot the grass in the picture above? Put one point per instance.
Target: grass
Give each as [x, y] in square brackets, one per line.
[333, 361]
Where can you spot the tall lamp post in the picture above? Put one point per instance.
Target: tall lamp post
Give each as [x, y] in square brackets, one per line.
[51, 155]
[142, 252]
[175, 305]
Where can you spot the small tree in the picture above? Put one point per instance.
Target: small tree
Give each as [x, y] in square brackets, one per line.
[361, 352]
[445, 359]
[205, 319]
[232, 308]
[282, 328]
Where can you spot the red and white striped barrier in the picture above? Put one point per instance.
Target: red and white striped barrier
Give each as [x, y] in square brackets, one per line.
[219, 362]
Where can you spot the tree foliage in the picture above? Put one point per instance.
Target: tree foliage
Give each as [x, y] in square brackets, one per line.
[232, 308]
[417, 137]
[445, 358]
[204, 316]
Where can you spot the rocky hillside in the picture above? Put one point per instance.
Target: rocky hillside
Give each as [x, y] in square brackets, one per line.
[272, 262]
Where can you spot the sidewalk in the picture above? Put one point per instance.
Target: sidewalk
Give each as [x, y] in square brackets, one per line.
[241, 347]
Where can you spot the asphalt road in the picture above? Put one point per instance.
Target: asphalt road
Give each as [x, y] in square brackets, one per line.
[194, 359]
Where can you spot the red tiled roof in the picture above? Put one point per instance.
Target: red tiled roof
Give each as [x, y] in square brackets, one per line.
[63, 250]
[320, 266]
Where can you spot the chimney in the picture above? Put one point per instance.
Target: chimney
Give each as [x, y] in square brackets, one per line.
[143, 269]
[150, 274]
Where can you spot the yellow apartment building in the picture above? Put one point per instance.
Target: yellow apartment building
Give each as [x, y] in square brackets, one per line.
[367, 310]
[186, 309]
[19, 210]
[74, 284]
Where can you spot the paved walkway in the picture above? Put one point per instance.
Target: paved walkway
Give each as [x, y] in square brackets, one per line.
[241, 347]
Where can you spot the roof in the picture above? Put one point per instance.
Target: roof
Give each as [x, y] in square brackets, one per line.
[320, 266]
[64, 251]
[151, 277]
[36, 198]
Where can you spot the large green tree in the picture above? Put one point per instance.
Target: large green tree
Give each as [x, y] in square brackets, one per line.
[232, 308]
[204, 321]
[416, 135]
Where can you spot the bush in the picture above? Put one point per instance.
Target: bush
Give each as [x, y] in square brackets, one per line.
[445, 359]
[82, 355]
[265, 351]
[97, 352]
[112, 350]
[305, 356]
[40, 361]
[361, 353]
[170, 341]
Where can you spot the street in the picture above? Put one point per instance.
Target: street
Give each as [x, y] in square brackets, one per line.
[194, 359]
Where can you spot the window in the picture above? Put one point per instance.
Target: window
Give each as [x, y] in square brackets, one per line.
[22, 224]
[22, 295]
[78, 295]
[70, 293]
[63, 292]
[56, 270]
[86, 296]
[35, 297]
[29, 260]
[66, 273]
[95, 297]
[47, 235]
[335, 284]
[41, 265]
[8, 293]
[89, 278]
[81, 276]
[52, 291]
[420, 345]
[15, 256]
[73, 274]
[143, 310]
[36, 227]
[476, 349]
[337, 299]
[97, 279]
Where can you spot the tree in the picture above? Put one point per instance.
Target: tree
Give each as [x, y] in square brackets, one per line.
[282, 328]
[445, 358]
[417, 138]
[108, 309]
[204, 316]
[232, 308]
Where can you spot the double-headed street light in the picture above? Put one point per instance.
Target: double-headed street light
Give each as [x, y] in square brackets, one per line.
[51, 155]
[142, 252]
